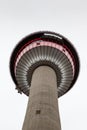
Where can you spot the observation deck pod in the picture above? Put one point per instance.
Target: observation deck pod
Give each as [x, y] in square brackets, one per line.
[44, 48]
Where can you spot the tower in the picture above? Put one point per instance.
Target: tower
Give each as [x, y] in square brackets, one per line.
[44, 66]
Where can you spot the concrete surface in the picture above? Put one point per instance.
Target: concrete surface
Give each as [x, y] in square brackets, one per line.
[42, 110]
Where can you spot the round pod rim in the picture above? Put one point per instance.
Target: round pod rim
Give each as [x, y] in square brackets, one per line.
[48, 36]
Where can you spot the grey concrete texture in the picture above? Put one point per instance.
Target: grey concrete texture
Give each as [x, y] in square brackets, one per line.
[42, 109]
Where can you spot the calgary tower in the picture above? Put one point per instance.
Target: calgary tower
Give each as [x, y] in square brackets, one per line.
[44, 66]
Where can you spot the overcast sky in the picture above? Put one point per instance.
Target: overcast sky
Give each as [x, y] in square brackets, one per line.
[19, 18]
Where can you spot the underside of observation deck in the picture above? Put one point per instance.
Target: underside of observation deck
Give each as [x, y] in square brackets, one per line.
[49, 49]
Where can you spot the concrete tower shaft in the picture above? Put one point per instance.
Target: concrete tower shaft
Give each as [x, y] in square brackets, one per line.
[42, 111]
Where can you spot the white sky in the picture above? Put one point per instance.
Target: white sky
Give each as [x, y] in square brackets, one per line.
[19, 18]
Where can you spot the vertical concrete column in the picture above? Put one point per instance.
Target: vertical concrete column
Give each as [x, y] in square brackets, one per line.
[42, 110]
